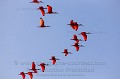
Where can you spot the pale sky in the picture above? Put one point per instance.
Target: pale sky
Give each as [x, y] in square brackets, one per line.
[22, 42]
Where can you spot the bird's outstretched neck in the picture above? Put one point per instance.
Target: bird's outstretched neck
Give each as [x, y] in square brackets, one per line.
[88, 33]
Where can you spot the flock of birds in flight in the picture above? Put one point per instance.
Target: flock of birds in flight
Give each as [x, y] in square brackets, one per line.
[74, 26]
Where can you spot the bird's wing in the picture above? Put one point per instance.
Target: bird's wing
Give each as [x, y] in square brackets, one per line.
[23, 76]
[65, 50]
[49, 9]
[77, 48]
[33, 65]
[85, 37]
[43, 68]
[43, 12]
[53, 61]
[76, 27]
[41, 22]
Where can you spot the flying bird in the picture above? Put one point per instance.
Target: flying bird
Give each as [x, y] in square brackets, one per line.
[41, 8]
[30, 74]
[76, 39]
[84, 34]
[53, 58]
[22, 74]
[77, 46]
[74, 25]
[50, 11]
[34, 67]
[42, 65]
[36, 1]
[66, 52]
[42, 23]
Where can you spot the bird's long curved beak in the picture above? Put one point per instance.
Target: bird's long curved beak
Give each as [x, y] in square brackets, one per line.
[68, 24]
[41, 1]
[47, 64]
[44, 8]
[82, 46]
[55, 13]
[88, 33]
[37, 8]
[80, 40]
[69, 52]
[80, 25]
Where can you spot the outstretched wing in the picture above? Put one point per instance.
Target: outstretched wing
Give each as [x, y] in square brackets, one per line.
[43, 68]
[77, 48]
[23, 75]
[30, 74]
[33, 65]
[43, 12]
[65, 50]
[35, 0]
[53, 61]
[85, 37]
[49, 9]
[41, 22]
[74, 36]
[75, 27]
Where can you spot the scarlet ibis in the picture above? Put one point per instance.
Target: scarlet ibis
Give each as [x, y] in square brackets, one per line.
[50, 10]
[34, 67]
[30, 74]
[76, 45]
[22, 74]
[66, 52]
[41, 8]
[76, 39]
[74, 25]
[53, 58]
[42, 23]
[42, 65]
[36, 1]
[84, 34]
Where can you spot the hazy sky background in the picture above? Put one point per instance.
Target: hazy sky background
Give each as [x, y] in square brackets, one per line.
[22, 42]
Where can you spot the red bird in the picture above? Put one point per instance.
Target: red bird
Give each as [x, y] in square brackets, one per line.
[66, 52]
[50, 10]
[75, 38]
[36, 1]
[22, 74]
[84, 34]
[42, 23]
[30, 74]
[42, 65]
[34, 67]
[74, 25]
[41, 8]
[76, 45]
[53, 58]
